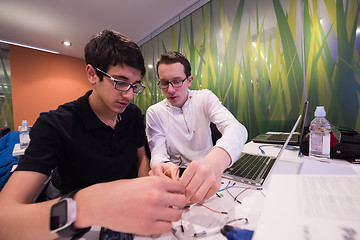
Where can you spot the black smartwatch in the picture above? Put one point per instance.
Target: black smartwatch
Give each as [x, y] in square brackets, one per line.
[63, 216]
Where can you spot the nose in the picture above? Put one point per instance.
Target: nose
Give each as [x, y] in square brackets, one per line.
[170, 88]
[129, 94]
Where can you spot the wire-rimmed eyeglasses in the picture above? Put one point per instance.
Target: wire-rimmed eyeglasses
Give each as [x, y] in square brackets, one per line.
[123, 86]
[174, 83]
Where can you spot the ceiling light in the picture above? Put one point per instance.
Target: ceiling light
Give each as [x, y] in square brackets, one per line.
[66, 43]
[28, 46]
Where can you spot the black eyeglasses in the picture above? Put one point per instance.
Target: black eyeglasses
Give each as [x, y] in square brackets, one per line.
[174, 83]
[123, 86]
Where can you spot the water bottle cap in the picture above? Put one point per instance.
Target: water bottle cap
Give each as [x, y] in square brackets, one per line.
[320, 111]
[24, 122]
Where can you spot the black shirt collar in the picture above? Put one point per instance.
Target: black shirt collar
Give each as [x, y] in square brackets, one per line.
[89, 118]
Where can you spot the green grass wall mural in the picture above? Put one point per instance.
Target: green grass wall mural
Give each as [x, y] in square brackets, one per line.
[262, 59]
[6, 111]
[332, 76]
[263, 72]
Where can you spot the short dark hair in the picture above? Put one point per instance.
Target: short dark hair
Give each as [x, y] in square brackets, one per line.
[174, 57]
[111, 48]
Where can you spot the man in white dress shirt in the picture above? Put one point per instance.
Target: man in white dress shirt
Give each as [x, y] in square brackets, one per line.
[179, 135]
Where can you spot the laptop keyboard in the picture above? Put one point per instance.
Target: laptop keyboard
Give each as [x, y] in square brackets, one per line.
[249, 166]
[282, 137]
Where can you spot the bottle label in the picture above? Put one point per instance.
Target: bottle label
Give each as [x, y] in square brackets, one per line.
[319, 144]
[24, 139]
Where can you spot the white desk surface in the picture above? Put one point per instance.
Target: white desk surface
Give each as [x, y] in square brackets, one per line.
[198, 218]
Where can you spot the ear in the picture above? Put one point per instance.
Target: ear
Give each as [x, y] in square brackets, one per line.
[91, 74]
[190, 80]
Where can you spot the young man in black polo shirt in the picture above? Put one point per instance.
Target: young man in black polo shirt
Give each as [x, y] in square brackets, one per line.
[93, 143]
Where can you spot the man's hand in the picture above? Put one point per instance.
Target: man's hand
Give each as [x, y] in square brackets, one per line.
[144, 205]
[168, 169]
[202, 178]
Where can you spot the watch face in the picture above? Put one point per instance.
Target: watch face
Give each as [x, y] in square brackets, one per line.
[58, 215]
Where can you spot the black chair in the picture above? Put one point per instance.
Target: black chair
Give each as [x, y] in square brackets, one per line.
[4, 131]
[48, 191]
[215, 133]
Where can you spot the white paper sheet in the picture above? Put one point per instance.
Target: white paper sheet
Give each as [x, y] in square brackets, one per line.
[312, 166]
[311, 207]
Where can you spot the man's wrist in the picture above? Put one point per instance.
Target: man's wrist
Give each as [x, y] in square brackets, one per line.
[84, 209]
[225, 156]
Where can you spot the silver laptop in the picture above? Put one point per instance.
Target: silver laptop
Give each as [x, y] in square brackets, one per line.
[254, 168]
[280, 138]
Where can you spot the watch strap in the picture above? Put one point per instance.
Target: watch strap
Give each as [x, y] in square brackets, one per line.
[71, 230]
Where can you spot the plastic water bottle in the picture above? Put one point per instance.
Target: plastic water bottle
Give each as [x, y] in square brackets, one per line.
[319, 142]
[24, 135]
